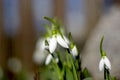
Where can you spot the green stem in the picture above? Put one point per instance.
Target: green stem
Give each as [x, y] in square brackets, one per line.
[101, 42]
[106, 74]
[73, 65]
[74, 70]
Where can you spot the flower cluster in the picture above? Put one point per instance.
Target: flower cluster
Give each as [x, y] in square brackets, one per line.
[60, 53]
[54, 37]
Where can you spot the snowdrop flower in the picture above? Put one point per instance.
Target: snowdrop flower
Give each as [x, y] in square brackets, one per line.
[40, 53]
[74, 51]
[104, 61]
[62, 41]
[48, 59]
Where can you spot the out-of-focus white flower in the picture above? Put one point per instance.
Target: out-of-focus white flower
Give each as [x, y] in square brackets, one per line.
[64, 42]
[14, 65]
[48, 59]
[52, 44]
[74, 51]
[104, 61]
[40, 53]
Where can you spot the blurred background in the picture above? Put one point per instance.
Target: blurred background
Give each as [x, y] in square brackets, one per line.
[21, 24]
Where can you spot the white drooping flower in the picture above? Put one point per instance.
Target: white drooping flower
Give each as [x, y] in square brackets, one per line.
[104, 61]
[63, 41]
[48, 59]
[74, 51]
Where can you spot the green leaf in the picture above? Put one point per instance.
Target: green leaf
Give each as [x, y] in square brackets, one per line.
[49, 19]
[48, 29]
[86, 73]
[69, 60]
[71, 40]
[69, 74]
[53, 21]
[114, 78]
[89, 78]
[107, 75]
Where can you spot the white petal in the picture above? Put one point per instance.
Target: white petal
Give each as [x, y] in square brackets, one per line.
[107, 63]
[101, 64]
[48, 59]
[52, 44]
[74, 51]
[61, 41]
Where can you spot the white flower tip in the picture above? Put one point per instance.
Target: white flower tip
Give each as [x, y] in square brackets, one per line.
[74, 51]
[48, 59]
[52, 44]
[57, 60]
